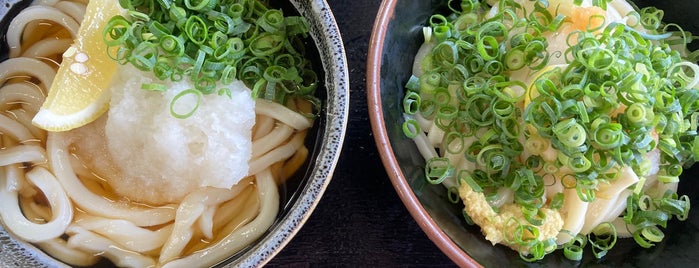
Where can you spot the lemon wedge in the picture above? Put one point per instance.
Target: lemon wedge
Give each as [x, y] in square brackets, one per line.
[78, 93]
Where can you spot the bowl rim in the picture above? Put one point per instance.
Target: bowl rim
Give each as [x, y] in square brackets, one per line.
[328, 40]
[395, 174]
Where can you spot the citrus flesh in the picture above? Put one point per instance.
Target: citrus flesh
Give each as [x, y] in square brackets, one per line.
[78, 93]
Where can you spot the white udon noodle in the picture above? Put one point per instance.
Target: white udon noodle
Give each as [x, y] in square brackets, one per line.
[48, 198]
[578, 216]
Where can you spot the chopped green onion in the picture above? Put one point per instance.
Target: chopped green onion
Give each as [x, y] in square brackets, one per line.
[573, 250]
[153, 87]
[411, 128]
[557, 201]
[181, 115]
[438, 169]
[465, 176]
[646, 237]
[602, 238]
[467, 218]
[453, 195]
[209, 41]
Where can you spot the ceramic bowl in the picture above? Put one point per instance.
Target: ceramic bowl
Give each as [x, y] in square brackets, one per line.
[301, 194]
[397, 35]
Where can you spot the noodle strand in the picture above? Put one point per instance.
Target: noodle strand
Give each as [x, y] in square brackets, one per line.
[97, 205]
[97, 244]
[22, 153]
[27, 230]
[267, 190]
[191, 208]
[17, 67]
[283, 114]
[30, 14]
[125, 233]
[72, 256]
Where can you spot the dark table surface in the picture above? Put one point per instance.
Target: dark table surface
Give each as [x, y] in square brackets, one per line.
[360, 221]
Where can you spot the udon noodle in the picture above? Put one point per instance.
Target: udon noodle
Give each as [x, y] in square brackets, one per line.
[50, 199]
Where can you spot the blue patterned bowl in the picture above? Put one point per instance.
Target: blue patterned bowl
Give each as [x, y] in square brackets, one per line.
[298, 197]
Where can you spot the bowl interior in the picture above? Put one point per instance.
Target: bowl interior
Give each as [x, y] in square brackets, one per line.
[301, 193]
[397, 36]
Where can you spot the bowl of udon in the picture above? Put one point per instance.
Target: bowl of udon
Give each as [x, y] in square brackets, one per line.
[540, 133]
[165, 133]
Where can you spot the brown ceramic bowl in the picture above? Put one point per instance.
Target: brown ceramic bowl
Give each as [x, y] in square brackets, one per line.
[397, 35]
